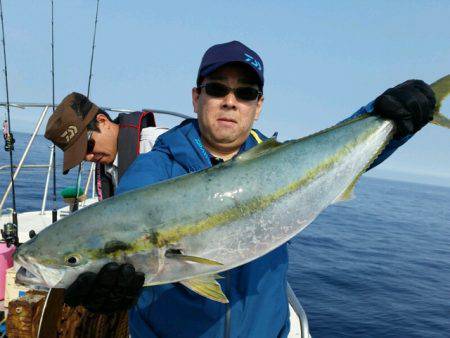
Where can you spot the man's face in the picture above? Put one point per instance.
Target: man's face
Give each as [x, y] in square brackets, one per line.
[225, 122]
[105, 142]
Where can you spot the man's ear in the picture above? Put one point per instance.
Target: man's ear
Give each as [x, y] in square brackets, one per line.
[195, 98]
[259, 105]
[101, 118]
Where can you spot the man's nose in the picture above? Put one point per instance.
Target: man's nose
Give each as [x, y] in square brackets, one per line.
[229, 101]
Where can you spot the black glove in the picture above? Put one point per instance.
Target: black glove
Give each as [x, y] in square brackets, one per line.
[410, 105]
[115, 288]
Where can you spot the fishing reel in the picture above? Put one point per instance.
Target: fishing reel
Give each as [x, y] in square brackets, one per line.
[9, 141]
[10, 234]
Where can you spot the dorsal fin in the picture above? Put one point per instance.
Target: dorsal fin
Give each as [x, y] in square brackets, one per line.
[259, 149]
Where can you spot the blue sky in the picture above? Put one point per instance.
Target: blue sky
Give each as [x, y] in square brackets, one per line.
[323, 59]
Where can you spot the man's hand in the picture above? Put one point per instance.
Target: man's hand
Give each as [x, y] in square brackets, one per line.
[410, 105]
[115, 288]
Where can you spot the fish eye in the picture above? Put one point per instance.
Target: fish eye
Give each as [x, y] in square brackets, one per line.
[73, 260]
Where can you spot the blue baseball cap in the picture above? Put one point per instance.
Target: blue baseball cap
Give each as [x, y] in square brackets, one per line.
[233, 51]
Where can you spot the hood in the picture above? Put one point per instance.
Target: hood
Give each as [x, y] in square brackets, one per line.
[178, 144]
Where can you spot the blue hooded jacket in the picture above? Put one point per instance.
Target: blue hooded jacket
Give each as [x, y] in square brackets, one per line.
[257, 290]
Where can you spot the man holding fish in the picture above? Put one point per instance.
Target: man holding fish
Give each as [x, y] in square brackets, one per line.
[228, 98]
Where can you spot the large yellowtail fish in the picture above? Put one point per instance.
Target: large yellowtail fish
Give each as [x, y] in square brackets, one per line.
[191, 228]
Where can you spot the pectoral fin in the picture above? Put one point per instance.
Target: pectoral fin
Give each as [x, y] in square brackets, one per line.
[195, 259]
[206, 286]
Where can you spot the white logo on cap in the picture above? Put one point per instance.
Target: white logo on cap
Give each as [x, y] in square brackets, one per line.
[70, 133]
[250, 59]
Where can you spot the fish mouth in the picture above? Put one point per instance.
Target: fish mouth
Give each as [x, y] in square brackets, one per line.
[26, 278]
[30, 274]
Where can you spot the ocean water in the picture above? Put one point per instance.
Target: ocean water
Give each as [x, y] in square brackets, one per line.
[375, 266]
[379, 265]
[30, 183]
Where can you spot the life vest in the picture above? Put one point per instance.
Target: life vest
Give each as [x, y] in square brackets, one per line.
[128, 146]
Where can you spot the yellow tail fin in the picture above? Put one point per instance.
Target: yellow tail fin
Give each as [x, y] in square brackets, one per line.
[441, 89]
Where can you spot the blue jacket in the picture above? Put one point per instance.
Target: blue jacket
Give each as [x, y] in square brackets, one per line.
[256, 291]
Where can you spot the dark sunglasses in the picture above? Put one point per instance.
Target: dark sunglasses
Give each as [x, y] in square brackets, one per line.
[90, 143]
[216, 89]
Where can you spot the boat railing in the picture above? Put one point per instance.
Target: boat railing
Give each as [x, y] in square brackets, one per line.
[27, 148]
[298, 309]
[23, 105]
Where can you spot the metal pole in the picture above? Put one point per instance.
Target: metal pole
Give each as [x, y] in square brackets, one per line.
[298, 308]
[116, 110]
[54, 212]
[47, 181]
[7, 166]
[94, 184]
[165, 112]
[25, 153]
[91, 171]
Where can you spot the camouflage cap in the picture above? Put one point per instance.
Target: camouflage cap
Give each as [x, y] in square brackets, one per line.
[66, 128]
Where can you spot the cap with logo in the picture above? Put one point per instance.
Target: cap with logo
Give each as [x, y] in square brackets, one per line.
[66, 128]
[233, 51]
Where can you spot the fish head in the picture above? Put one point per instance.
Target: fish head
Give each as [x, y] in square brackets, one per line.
[59, 254]
[50, 261]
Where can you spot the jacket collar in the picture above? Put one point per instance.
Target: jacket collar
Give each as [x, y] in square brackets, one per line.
[184, 145]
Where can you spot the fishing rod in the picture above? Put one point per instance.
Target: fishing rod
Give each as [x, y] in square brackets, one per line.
[9, 233]
[55, 297]
[75, 206]
[93, 48]
[54, 211]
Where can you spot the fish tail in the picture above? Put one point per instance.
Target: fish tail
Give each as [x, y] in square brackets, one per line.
[441, 90]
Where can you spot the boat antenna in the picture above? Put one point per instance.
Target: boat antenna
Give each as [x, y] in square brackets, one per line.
[75, 207]
[54, 211]
[10, 230]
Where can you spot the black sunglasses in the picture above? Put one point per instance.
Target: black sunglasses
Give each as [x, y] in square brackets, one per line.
[90, 143]
[216, 89]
